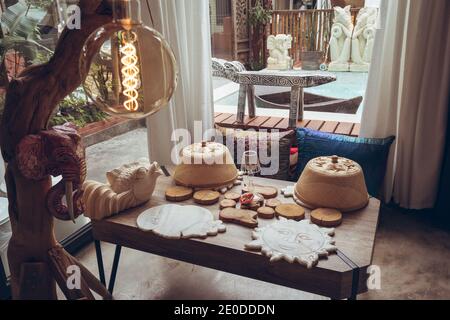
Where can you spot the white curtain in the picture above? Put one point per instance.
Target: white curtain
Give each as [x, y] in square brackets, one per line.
[186, 26]
[407, 96]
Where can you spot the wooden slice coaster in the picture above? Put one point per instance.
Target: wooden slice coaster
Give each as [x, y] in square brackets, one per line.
[254, 206]
[206, 197]
[290, 211]
[325, 217]
[266, 213]
[246, 218]
[273, 203]
[232, 196]
[227, 203]
[178, 194]
[266, 191]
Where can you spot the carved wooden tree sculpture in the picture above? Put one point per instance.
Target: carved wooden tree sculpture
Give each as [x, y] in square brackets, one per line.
[33, 153]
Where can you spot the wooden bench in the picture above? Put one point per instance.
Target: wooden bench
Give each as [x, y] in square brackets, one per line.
[229, 120]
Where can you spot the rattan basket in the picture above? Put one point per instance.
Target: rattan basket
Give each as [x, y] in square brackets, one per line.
[206, 165]
[332, 182]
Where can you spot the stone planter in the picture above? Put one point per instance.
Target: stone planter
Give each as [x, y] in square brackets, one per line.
[311, 60]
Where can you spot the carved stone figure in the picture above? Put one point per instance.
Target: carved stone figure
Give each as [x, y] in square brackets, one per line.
[279, 46]
[227, 69]
[340, 42]
[363, 39]
[129, 186]
[56, 152]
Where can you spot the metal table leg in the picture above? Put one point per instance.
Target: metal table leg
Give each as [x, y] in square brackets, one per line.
[355, 285]
[101, 269]
[301, 105]
[296, 107]
[355, 274]
[112, 279]
[251, 101]
[241, 103]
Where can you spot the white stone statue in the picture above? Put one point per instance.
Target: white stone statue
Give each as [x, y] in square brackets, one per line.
[279, 46]
[340, 42]
[129, 186]
[363, 39]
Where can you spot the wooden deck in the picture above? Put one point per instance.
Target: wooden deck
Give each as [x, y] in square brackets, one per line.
[228, 120]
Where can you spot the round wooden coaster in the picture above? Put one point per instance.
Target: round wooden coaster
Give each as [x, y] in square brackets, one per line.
[325, 217]
[246, 218]
[227, 203]
[254, 206]
[232, 196]
[266, 213]
[206, 197]
[290, 211]
[178, 194]
[266, 191]
[273, 203]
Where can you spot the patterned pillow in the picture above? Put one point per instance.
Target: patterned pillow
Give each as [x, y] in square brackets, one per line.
[273, 149]
[371, 154]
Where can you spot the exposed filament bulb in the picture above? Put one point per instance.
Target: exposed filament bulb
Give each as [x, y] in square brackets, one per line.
[130, 71]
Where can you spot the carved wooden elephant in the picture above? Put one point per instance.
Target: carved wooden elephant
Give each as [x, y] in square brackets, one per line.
[56, 152]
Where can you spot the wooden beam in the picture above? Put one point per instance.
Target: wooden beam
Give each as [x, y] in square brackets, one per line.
[344, 128]
[356, 130]
[315, 124]
[329, 126]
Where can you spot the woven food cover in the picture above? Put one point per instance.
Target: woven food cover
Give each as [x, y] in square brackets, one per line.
[206, 165]
[332, 182]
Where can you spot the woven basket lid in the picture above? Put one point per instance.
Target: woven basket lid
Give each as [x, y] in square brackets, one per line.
[332, 182]
[206, 165]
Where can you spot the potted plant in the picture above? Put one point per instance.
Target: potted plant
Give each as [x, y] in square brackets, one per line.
[311, 57]
[77, 109]
[259, 16]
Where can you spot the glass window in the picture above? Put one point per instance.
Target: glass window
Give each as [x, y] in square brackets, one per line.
[310, 24]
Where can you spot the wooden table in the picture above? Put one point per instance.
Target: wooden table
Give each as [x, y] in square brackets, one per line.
[343, 275]
[297, 80]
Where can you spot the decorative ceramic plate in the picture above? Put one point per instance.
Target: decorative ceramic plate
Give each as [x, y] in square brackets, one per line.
[293, 241]
[175, 222]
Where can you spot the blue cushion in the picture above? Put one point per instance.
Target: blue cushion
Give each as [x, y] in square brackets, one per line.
[371, 154]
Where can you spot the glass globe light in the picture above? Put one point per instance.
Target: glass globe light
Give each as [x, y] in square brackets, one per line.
[129, 69]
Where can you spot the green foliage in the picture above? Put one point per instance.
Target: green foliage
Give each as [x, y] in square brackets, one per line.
[259, 15]
[43, 4]
[76, 108]
[257, 64]
[22, 33]
[18, 20]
